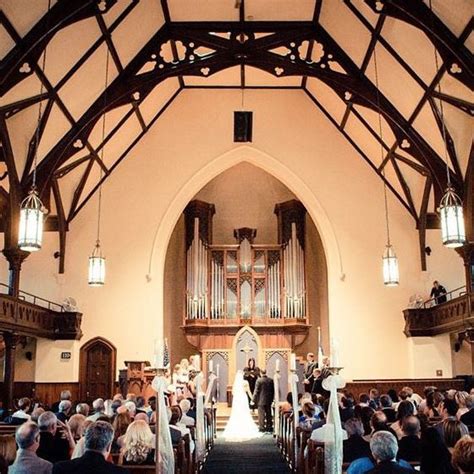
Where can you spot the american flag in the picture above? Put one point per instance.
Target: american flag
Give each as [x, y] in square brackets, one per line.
[166, 355]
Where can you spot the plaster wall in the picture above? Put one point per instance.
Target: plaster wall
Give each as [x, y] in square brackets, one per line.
[184, 150]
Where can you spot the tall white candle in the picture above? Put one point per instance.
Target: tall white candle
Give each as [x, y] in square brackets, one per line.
[210, 366]
[277, 365]
[217, 370]
[293, 362]
[197, 362]
[334, 358]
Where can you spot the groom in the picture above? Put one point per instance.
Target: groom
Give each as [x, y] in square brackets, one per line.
[263, 398]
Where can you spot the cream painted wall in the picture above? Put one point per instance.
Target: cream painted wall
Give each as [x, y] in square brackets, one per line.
[24, 368]
[430, 354]
[184, 150]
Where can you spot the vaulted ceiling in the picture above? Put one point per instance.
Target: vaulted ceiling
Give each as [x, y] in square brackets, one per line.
[54, 59]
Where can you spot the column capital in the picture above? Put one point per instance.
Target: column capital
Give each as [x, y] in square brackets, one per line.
[15, 256]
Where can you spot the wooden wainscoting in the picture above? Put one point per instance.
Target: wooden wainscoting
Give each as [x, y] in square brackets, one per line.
[48, 392]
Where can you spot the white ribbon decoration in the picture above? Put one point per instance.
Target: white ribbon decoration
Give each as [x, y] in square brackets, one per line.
[159, 384]
[200, 434]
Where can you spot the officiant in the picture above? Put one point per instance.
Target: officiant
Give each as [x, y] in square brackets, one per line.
[251, 374]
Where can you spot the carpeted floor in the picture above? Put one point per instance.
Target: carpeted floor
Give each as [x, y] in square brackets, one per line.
[259, 455]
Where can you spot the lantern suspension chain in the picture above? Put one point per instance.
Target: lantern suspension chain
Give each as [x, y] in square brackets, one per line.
[381, 146]
[40, 113]
[103, 144]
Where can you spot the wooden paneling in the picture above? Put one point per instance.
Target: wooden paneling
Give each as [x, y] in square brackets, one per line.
[48, 393]
[363, 386]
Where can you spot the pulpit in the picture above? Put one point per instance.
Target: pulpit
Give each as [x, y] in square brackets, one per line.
[136, 378]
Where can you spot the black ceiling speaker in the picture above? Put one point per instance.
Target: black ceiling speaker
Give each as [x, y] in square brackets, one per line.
[243, 126]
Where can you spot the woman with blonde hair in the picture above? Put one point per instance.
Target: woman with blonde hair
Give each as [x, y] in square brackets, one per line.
[462, 399]
[138, 444]
[76, 423]
[7, 452]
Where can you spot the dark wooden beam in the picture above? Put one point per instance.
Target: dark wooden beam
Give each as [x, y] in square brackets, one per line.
[464, 105]
[61, 14]
[451, 49]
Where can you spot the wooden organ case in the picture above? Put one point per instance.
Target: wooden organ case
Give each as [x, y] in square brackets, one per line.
[243, 285]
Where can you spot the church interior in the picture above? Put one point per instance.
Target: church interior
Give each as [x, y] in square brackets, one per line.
[241, 179]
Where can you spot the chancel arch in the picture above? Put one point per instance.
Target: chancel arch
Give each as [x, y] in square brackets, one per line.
[167, 264]
[245, 198]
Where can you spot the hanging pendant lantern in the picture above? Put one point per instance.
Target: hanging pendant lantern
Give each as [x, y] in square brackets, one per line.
[30, 235]
[390, 267]
[96, 267]
[452, 219]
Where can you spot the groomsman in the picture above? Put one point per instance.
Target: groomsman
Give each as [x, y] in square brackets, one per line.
[263, 398]
[309, 367]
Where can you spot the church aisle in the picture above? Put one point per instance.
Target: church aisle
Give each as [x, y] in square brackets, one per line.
[258, 455]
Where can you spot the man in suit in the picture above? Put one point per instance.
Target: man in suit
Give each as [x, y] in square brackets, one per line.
[27, 437]
[309, 366]
[263, 398]
[98, 442]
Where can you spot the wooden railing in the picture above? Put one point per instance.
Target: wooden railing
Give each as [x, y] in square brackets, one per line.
[30, 319]
[453, 316]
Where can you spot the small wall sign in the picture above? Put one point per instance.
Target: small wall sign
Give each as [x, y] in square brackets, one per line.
[65, 356]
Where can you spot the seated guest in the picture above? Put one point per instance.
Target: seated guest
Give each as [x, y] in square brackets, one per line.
[80, 448]
[405, 396]
[185, 406]
[412, 396]
[65, 395]
[138, 444]
[176, 434]
[131, 407]
[7, 452]
[378, 422]
[462, 399]
[463, 455]
[409, 447]
[365, 416]
[36, 413]
[308, 419]
[435, 457]
[364, 400]
[27, 462]
[98, 441]
[347, 409]
[76, 425]
[53, 447]
[468, 417]
[120, 425]
[64, 410]
[386, 404]
[384, 448]
[99, 409]
[449, 408]
[453, 430]
[82, 409]
[140, 405]
[355, 446]
[433, 404]
[21, 415]
[392, 393]
[405, 408]
[374, 398]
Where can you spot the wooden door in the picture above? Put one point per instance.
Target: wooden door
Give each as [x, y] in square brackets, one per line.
[97, 369]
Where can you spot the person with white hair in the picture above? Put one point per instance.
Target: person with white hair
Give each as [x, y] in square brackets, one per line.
[185, 406]
[99, 409]
[56, 440]
[27, 438]
[64, 410]
[384, 448]
[131, 407]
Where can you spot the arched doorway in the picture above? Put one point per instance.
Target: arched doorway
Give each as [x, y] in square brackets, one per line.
[97, 367]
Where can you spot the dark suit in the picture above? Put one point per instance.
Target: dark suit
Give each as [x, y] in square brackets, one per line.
[53, 448]
[389, 467]
[468, 418]
[91, 462]
[263, 398]
[409, 448]
[355, 447]
[308, 375]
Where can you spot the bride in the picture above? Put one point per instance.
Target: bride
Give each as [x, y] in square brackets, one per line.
[240, 426]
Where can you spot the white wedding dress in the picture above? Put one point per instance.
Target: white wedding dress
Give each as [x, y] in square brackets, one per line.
[240, 426]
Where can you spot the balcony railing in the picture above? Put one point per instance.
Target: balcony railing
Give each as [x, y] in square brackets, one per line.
[455, 315]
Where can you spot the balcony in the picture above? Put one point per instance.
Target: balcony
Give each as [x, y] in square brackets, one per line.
[30, 315]
[455, 315]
